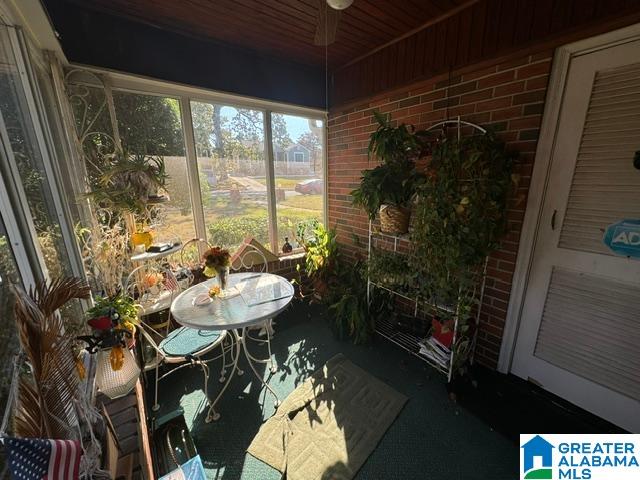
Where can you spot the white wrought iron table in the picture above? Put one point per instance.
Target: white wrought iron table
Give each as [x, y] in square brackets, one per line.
[235, 314]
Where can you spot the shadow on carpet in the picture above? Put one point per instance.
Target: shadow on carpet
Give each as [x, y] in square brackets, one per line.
[432, 437]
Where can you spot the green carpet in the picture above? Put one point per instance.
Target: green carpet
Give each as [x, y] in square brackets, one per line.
[432, 438]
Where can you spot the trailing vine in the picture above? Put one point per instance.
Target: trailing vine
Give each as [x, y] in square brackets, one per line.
[459, 219]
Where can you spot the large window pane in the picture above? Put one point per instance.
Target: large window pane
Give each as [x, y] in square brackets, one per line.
[17, 121]
[151, 126]
[231, 167]
[8, 333]
[298, 153]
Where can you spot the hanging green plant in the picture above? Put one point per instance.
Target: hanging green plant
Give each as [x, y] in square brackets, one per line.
[396, 144]
[391, 185]
[387, 184]
[460, 217]
[129, 182]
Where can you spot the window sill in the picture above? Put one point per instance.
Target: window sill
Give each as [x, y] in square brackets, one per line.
[291, 256]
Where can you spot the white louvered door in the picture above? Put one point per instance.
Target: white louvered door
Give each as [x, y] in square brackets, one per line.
[579, 334]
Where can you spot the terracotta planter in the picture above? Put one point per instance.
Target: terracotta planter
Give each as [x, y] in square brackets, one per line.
[394, 219]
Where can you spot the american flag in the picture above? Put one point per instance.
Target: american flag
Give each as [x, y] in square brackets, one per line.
[37, 459]
[170, 282]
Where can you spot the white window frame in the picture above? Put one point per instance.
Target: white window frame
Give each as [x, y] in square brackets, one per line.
[37, 270]
[186, 94]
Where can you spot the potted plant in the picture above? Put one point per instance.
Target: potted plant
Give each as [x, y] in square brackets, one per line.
[389, 188]
[130, 182]
[321, 249]
[348, 304]
[459, 218]
[113, 321]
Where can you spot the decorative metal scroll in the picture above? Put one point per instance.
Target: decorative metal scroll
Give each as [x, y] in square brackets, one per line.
[89, 99]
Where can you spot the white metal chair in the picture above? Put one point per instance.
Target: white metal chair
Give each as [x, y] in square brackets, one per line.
[153, 287]
[184, 346]
[192, 251]
[253, 259]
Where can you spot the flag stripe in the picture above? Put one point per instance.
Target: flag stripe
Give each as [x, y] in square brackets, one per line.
[62, 471]
[76, 460]
[53, 460]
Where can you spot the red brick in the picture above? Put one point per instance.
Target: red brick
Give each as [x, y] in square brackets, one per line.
[506, 113]
[541, 68]
[537, 82]
[493, 104]
[525, 123]
[513, 63]
[477, 96]
[497, 79]
[508, 89]
[479, 73]
[529, 97]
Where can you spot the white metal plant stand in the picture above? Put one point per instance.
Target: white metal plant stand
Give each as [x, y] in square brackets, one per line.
[235, 314]
[442, 359]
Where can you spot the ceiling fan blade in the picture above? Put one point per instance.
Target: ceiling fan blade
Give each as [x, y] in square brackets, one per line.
[327, 24]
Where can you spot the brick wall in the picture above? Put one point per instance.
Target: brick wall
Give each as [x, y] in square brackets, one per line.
[507, 96]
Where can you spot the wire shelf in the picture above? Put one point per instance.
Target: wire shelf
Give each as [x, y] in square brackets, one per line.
[411, 344]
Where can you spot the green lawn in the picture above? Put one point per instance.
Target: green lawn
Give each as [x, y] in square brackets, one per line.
[309, 202]
[231, 222]
[288, 183]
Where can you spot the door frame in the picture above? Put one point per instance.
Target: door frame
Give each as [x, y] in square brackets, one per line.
[540, 176]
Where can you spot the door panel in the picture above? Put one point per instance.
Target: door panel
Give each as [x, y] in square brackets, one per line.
[603, 165]
[579, 334]
[589, 327]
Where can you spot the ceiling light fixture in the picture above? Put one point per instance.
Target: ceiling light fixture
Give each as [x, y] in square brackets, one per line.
[339, 4]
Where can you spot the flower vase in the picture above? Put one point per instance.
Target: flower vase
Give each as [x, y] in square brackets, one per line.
[223, 278]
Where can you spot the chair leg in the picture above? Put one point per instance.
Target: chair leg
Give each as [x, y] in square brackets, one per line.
[156, 405]
[223, 371]
[205, 371]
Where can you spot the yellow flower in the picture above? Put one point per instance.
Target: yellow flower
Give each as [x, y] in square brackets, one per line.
[116, 358]
[209, 272]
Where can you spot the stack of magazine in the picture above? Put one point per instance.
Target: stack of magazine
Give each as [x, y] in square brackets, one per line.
[432, 348]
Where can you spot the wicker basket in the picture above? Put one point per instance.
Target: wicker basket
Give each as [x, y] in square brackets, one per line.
[394, 220]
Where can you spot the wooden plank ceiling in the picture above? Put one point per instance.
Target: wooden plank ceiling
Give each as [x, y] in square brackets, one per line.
[285, 28]
[486, 29]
